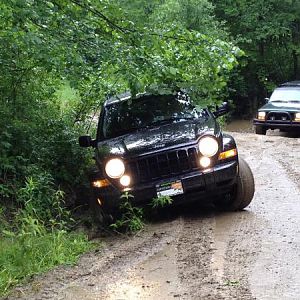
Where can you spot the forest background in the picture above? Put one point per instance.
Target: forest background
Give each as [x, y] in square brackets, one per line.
[60, 59]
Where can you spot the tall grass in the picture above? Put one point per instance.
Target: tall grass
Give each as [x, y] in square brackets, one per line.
[35, 237]
[23, 256]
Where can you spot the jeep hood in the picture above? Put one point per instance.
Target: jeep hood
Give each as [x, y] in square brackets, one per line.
[281, 106]
[155, 138]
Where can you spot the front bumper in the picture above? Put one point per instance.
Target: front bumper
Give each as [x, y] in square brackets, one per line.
[197, 186]
[289, 125]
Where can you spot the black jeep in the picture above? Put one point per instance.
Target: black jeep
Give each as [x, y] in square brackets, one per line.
[282, 110]
[162, 145]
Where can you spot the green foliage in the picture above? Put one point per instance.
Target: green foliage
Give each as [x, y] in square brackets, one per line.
[43, 203]
[268, 32]
[184, 46]
[22, 256]
[4, 224]
[101, 48]
[161, 201]
[131, 217]
[190, 14]
[37, 239]
[43, 145]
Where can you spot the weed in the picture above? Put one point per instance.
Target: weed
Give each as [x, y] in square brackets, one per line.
[43, 202]
[161, 201]
[232, 283]
[132, 217]
[3, 222]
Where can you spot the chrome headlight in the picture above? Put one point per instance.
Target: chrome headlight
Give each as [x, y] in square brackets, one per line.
[261, 115]
[115, 168]
[208, 146]
[297, 117]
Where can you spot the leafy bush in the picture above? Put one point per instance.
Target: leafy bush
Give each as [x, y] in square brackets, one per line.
[48, 149]
[37, 239]
[42, 202]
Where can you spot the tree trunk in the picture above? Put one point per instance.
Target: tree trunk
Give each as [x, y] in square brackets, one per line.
[296, 66]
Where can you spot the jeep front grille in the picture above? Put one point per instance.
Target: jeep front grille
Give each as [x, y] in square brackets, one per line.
[279, 117]
[163, 164]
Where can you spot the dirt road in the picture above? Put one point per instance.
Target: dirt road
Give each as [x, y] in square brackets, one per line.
[200, 253]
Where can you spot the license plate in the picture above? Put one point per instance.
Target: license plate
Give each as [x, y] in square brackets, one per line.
[169, 188]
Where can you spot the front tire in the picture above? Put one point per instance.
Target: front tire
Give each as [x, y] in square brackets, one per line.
[243, 191]
[260, 130]
[99, 215]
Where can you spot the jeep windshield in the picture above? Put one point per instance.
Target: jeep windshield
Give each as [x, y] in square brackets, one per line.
[286, 95]
[127, 116]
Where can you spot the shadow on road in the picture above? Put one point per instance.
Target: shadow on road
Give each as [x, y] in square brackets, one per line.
[292, 134]
[186, 211]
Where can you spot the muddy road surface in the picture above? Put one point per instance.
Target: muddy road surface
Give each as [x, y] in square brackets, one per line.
[197, 253]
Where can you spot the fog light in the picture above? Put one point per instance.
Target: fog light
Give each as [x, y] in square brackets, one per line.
[205, 162]
[125, 180]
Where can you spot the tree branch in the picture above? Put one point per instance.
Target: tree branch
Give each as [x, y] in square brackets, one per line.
[124, 30]
[101, 15]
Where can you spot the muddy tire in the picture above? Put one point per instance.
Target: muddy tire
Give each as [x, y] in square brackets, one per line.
[95, 209]
[260, 130]
[98, 214]
[242, 193]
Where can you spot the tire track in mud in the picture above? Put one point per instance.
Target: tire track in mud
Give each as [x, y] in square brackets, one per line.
[214, 254]
[194, 255]
[290, 159]
[96, 275]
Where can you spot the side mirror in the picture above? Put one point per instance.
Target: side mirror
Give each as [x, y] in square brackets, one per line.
[86, 141]
[267, 100]
[222, 110]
